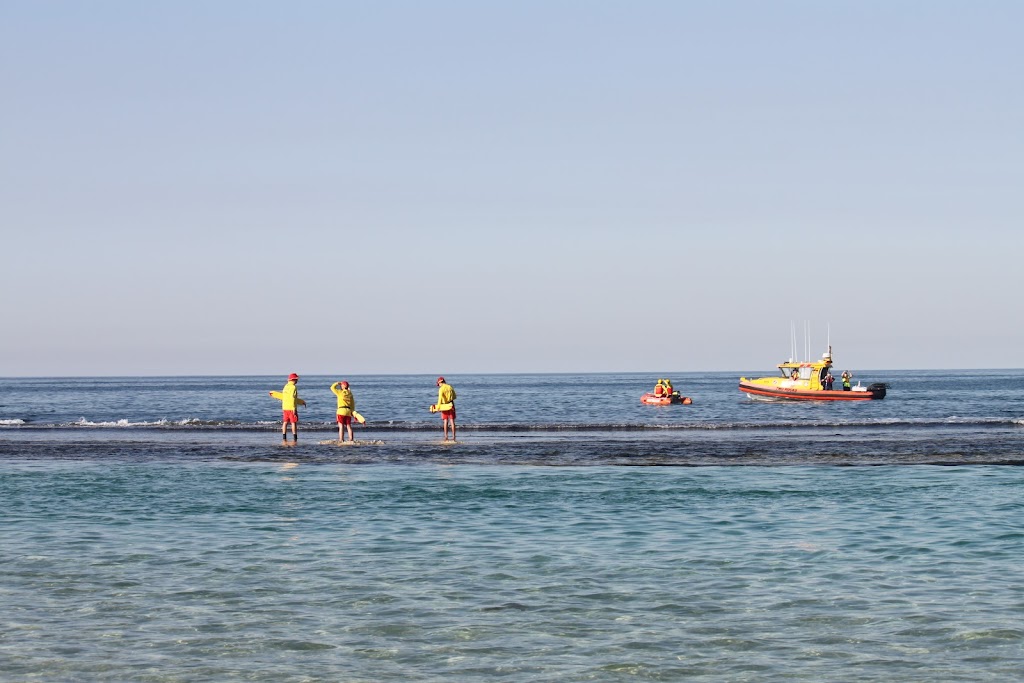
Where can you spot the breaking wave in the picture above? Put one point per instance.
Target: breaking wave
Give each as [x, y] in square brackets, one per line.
[413, 426]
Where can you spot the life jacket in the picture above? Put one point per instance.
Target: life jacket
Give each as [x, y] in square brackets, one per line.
[659, 389]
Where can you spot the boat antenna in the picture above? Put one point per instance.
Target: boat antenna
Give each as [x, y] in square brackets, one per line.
[792, 340]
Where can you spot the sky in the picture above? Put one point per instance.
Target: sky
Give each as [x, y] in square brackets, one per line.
[559, 186]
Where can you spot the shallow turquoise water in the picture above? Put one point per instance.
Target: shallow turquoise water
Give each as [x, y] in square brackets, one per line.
[290, 571]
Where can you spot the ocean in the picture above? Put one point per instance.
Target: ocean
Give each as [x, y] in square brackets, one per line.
[156, 529]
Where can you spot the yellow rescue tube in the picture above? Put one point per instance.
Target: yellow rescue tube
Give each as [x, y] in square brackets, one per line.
[280, 397]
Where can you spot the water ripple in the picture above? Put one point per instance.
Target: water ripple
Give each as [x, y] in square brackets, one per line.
[217, 571]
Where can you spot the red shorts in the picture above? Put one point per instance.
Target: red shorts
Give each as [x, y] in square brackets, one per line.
[290, 416]
[448, 414]
[345, 420]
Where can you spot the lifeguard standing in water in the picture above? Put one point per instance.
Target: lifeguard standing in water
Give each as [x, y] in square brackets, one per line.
[346, 408]
[289, 398]
[445, 405]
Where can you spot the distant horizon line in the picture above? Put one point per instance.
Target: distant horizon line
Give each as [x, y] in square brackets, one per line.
[652, 373]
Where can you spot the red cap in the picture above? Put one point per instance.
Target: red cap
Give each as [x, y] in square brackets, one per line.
[440, 379]
[344, 384]
[292, 376]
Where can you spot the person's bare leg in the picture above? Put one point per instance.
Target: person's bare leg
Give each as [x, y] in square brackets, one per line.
[349, 429]
[341, 428]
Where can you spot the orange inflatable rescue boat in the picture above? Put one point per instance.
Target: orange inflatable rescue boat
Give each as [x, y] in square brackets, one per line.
[664, 395]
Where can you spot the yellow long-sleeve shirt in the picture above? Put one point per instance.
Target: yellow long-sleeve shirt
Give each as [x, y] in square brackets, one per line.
[289, 396]
[445, 397]
[346, 401]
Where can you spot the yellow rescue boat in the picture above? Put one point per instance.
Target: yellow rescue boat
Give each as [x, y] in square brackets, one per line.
[809, 381]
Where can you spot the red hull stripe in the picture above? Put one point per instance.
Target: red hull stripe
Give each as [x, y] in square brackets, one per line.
[821, 395]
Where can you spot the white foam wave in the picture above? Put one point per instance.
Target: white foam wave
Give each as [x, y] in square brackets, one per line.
[124, 423]
[82, 422]
[11, 421]
[956, 419]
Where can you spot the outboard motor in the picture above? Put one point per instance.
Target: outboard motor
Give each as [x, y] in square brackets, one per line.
[877, 389]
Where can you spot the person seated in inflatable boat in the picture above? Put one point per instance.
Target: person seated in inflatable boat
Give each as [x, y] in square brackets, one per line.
[664, 389]
[659, 388]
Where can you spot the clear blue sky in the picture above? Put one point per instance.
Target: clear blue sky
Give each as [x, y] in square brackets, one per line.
[363, 187]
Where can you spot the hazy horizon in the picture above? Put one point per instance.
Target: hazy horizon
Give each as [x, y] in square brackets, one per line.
[860, 373]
